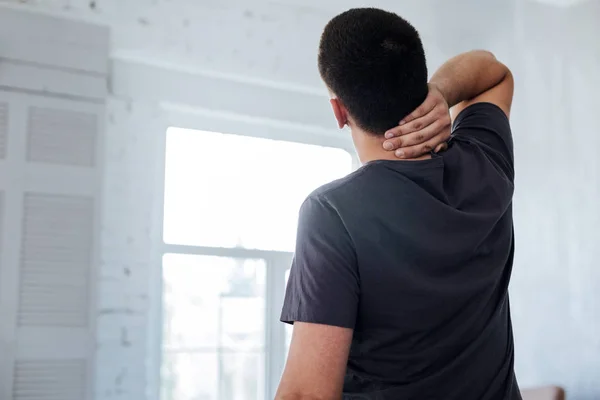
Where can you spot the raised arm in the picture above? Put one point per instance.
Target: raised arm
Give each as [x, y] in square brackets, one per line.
[472, 77]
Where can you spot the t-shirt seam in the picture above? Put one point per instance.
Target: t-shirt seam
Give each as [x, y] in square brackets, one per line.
[509, 161]
[298, 316]
[486, 149]
[344, 181]
[356, 174]
[484, 104]
[325, 201]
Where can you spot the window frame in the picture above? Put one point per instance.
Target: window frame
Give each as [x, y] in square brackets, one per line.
[277, 262]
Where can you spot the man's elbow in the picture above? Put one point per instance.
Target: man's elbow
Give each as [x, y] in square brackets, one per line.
[500, 70]
[488, 54]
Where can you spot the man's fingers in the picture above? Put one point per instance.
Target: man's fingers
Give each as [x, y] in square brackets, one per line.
[418, 150]
[441, 147]
[394, 132]
[439, 112]
[393, 144]
[412, 126]
[422, 131]
[424, 109]
[412, 139]
[439, 132]
[425, 134]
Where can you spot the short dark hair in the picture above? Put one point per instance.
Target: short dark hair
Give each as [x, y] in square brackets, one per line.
[373, 60]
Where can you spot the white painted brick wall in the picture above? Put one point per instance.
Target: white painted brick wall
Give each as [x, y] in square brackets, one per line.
[133, 133]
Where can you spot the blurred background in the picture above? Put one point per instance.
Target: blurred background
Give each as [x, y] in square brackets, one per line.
[153, 156]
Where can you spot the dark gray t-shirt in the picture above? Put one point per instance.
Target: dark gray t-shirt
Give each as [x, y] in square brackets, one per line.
[416, 257]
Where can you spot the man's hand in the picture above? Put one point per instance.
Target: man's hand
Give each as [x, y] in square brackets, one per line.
[425, 129]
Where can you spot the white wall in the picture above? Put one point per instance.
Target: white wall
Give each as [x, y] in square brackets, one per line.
[556, 281]
[234, 65]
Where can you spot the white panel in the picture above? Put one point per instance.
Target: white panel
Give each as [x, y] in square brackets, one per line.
[36, 78]
[49, 380]
[3, 128]
[55, 261]
[54, 41]
[61, 137]
[1, 227]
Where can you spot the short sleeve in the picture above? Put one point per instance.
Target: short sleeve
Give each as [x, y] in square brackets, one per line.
[488, 126]
[323, 285]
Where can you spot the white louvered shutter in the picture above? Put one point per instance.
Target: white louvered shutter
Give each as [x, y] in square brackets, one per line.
[52, 94]
[3, 129]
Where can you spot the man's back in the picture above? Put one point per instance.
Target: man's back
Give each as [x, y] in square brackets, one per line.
[433, 248]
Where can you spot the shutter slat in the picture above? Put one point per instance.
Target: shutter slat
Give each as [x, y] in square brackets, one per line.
[3, 129]
[54, 273]
[62, 137]
[49, 380]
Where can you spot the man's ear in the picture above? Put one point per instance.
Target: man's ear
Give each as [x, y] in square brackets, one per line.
[341, 115]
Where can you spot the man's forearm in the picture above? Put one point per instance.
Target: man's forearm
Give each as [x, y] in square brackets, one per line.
[468, 75]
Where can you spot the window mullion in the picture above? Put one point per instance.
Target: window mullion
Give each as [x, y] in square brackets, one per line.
[275, 330]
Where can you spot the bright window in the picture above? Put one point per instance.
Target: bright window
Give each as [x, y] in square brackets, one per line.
[230, 216]
[213, 335]
[229, 190]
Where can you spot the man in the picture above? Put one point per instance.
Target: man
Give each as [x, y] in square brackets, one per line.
[398, 289]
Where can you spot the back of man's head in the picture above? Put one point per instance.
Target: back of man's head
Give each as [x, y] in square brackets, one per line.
[374, 62]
